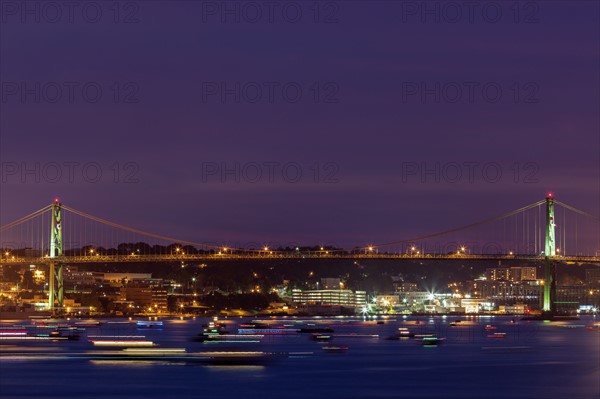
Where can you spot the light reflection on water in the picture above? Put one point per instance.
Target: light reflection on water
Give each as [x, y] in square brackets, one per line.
[534, 360]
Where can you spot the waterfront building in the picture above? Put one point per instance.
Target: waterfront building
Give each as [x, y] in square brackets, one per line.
[330, 297]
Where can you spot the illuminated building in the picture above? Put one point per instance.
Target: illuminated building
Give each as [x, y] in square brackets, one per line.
[145, 295]
[118, 279]
[329, 302]
[498, 273]
[475, 305]
[330, 297]
[516, 273]
[405, 287]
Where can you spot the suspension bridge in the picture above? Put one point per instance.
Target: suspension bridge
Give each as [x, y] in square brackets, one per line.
[57, 235]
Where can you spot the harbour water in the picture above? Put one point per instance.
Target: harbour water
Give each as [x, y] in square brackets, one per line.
[533, 360]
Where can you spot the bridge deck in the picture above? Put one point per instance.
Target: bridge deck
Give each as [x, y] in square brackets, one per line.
[280, 256]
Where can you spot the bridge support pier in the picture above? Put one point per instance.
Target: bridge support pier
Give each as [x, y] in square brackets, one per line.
[549, 295]
[55, 284]
[549, 305]
[51, 287]
[55, 288]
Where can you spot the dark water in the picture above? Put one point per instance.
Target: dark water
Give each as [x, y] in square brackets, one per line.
[535, 360]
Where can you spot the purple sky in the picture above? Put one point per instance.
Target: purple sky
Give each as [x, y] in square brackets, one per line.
[372, 62]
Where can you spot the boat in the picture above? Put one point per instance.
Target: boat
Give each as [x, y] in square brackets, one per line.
[211, 331]
[312, 330]
[498, 335]
[594, 327]
[12, 332]
[335, 349]
[255, 325]
[27, 333]
[321, 337]
[432, 341]
[69, 333]
[268, 331]
[217, 337]
[489, 327]
[403, 333]
[355, 335]
[84, 323]
[149, 324]
[123, 343]
[181, 355]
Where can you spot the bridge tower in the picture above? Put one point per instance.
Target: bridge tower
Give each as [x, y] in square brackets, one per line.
[55, 285]
[549, 252]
